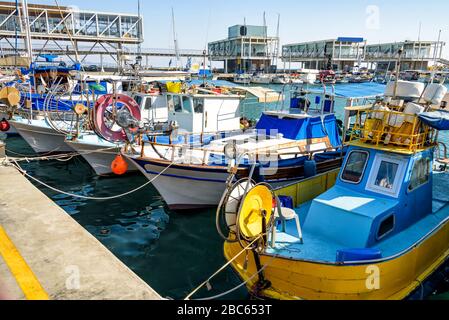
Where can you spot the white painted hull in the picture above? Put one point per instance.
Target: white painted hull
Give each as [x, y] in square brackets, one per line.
[98, 157]
[261, 81]
[42, 139]
[185, 189]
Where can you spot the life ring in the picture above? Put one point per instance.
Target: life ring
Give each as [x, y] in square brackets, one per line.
[112, 132]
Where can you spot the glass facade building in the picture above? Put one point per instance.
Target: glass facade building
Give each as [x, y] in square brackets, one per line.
[247, 49]
[342, 53]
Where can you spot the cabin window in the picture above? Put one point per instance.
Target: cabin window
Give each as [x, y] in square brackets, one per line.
[177, 103]
[148, 103]
[187, 104]
[386, 175]
[198, 105]
[138, 99]
[386, 227]
[170, 103]
[355, 167]
[421, 174]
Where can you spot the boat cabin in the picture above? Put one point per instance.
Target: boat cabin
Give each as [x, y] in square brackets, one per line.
[378, 194]
[383, 198]
[153, 107]
[204, 113]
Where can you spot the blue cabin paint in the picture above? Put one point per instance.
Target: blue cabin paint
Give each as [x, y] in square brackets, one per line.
[351, 206]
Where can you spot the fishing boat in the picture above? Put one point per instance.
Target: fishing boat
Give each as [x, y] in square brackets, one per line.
[194, 175]
[378, 228]
[281, 79]
[100, 146]
[242, 79]
[261, 78]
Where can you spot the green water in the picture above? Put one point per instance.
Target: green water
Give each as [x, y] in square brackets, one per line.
[173, 252]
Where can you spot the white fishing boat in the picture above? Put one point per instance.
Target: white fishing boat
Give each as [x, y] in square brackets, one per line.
[192, 172]
[261, 79]
[242, 79]
[281, 79]
[308, 76]
[41, 136]
[99, 152]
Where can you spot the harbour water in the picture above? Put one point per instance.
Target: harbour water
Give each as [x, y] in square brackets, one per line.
[173, 252]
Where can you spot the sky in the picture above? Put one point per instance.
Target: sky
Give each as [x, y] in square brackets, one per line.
[202, 21]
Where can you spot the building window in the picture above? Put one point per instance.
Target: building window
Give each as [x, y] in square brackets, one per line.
[420, 174]
[355, 167]
[386, 227]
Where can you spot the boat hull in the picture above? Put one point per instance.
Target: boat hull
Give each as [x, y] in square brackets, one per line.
[399, 278]
[396, 278]
[185, 188]
[42, 139]
[99, 157]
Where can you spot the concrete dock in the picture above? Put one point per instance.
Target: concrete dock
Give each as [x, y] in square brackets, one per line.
[45, 254]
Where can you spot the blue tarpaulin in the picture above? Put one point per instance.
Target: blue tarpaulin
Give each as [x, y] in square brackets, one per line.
[437, 119]
[367, 89]
[301, 129]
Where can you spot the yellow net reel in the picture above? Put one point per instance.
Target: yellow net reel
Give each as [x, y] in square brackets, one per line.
[10, 95]
[256, 212]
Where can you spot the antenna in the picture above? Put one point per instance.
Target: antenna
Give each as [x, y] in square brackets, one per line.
[139, 46]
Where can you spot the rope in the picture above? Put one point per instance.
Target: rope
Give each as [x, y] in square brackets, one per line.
[240, 285]
[17, 166]
[223, 268]
[60, 157]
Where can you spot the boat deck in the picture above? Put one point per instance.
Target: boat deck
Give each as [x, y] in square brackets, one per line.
[322, 250]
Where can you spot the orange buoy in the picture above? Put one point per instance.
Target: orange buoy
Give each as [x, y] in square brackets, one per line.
[119, 166]
[4, 125]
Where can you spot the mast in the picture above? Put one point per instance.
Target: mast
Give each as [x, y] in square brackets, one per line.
[26, 26]
[278, 40]
[266, 36]
[435, 57]
[175, 39]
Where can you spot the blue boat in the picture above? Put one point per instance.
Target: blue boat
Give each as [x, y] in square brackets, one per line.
[376, 229]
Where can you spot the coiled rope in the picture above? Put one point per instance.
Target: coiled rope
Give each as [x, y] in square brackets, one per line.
[17, 166]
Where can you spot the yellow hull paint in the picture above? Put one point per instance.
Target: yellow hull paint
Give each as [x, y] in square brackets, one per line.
[292, 279]
[397, 278]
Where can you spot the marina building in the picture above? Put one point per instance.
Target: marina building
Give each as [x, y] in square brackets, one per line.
[417, 55]
[247, 49]
[342, 53]
[52, 29]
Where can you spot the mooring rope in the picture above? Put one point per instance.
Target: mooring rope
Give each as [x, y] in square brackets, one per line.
[57, 157]
[207, 282]
[17, 166]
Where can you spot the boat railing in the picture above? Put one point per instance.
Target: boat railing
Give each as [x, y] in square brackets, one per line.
[172, 151]
[391, 128]
[442, 151]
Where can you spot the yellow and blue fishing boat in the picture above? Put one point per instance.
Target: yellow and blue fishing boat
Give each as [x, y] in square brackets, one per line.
[377, 229]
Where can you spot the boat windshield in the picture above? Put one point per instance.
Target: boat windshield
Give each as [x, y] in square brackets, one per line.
[355, 167]
[387, 175]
